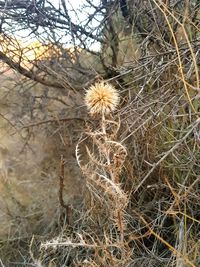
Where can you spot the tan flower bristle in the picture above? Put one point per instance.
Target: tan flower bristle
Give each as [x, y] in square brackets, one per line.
[101, 98]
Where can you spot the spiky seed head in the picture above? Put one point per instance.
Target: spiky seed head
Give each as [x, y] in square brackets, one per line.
[101, 98]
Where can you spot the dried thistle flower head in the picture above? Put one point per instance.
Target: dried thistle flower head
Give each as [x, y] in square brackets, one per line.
[101, 98]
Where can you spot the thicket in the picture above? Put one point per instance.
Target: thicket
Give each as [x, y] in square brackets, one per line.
[139, 156]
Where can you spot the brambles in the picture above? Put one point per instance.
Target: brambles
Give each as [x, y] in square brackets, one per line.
[105, 198]
[138, 159]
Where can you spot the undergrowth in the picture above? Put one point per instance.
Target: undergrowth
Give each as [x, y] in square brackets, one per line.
[140, 161]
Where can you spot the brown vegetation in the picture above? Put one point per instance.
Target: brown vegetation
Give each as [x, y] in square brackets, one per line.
[118, 185]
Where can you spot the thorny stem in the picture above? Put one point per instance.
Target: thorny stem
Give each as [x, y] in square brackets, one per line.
[103, 126]
[61, 187]
[119, 212]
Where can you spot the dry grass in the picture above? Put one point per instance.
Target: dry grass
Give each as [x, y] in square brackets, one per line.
[141, 167]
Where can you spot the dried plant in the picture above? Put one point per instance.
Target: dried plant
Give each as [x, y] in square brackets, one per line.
[139, 156]
[101, 98]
